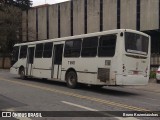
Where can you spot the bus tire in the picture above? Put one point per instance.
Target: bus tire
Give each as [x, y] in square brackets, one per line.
[71, 79]
[22, 73]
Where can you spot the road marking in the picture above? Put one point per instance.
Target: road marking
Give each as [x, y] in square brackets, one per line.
[19, 118]
[91, 109]
[80, 106]
[102, 101]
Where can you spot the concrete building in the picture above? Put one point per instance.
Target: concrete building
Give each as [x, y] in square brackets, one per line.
[86, 16]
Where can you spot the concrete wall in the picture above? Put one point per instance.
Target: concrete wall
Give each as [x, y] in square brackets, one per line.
[1, 62]
[78, 17]
[149, 18]
[65, 19]
[42, 23]
[128, 14]
[149, 15]
[7, 62]
[53, 21]
[32, 25]
[24, 25]
[109, 14]
[93, 16]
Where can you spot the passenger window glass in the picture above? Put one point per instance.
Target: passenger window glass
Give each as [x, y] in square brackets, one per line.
[23, 51]
[31, 55]
[72, 48]
[39, 50]
[47, 53]
[89, 47]
[107, 44]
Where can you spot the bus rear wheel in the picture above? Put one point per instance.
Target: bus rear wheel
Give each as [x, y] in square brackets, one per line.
[22, 73]
[71, 79]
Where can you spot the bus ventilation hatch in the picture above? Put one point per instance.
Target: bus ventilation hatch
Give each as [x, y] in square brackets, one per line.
[103, 74]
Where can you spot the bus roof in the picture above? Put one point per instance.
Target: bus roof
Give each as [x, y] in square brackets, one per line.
[82, 36]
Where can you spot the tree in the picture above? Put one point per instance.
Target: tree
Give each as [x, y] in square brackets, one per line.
[22, 4]
[10, 23]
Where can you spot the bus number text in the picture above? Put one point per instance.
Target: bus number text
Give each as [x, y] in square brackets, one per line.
[71, 62]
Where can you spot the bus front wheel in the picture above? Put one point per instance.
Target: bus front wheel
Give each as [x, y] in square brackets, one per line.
[71, 79]
[22, 73]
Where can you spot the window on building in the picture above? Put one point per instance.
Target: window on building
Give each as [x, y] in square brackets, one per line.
[118, 14]
[47, 53]
[107, 44]
[23, 51]
[39, 50]
[72, 48]
[89, 47]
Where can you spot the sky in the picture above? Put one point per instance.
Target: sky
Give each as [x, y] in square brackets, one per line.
[41, 2]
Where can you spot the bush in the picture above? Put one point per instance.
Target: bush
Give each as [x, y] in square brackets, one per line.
[152, 74]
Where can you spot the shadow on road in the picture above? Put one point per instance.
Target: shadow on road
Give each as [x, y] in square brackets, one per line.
[109, 90]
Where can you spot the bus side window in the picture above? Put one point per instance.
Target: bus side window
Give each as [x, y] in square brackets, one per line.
[39, 50]
[107, 45]
[47, 53]
[72, 48]
[89, 47]
[23, 51]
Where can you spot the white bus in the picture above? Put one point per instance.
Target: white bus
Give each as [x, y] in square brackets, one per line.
[115, 57]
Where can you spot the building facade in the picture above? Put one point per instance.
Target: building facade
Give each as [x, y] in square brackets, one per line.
[77, 17]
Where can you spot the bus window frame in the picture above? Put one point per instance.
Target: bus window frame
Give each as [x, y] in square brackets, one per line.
[13, 60]
[73, 48]
[37, 53]
[115, 43]
[49, 51]
[24, 55]
[82, 49]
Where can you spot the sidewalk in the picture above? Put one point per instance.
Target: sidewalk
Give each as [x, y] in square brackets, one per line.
[152, 86]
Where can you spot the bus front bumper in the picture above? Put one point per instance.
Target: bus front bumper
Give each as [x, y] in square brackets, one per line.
[14, 70]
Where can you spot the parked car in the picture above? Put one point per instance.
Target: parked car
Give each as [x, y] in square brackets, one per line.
[158, 75]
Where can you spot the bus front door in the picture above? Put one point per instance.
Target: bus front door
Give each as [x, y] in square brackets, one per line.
[57, 61]
[30, 60]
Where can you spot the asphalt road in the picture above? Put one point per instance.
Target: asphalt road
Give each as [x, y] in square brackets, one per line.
[45, 95]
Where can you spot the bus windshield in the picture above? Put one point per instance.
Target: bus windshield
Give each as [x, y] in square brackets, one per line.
[15, 55]
[136, 43]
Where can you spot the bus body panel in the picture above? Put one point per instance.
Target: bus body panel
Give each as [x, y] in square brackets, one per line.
[133, 68]
[42, 67]
[14, 70]
[87, 68]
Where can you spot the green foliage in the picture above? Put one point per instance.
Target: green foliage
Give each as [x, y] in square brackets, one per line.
[152, 74]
